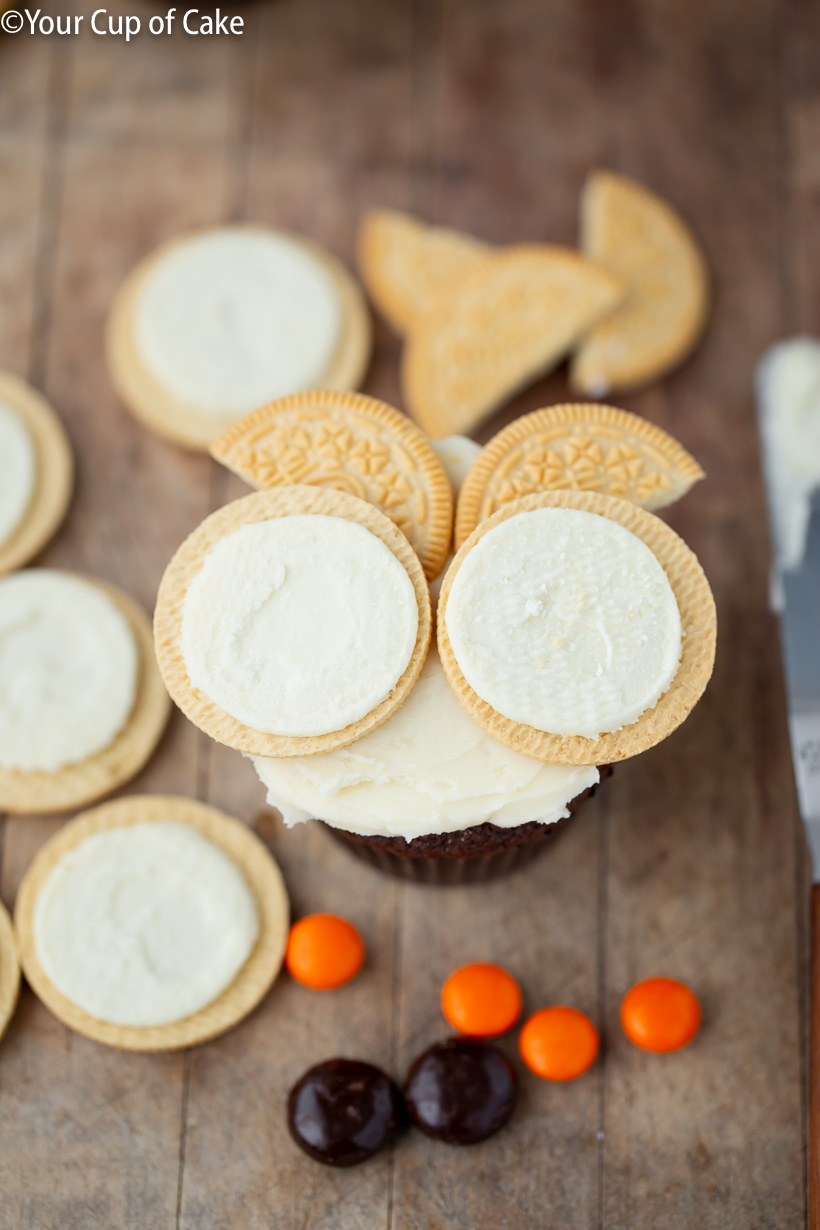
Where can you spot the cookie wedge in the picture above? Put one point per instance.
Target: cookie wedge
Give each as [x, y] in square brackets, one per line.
[576, 447]
[409, 267]
[508, 323]
[646, 243]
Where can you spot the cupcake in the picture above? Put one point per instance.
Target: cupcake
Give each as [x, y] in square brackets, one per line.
[428, 795]
[573, 627]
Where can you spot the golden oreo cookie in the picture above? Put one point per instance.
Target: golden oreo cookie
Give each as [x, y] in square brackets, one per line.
[409, 267]
[249, 327]
[352, 443]
[698, 622]
[255, 977]
[582, 447]
[184, 569]
[504, 325]
[96, 776]
[646, 243]
[52, 477]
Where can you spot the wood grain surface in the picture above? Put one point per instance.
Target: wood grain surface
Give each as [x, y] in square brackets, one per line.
[690, 863]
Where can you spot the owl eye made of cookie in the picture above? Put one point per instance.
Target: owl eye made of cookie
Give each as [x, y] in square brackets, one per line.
[353, 443]
[292, 621]
[576, 447]
[576, 628]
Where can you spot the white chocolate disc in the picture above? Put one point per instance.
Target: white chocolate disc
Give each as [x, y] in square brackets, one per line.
[565, 621]
[235, 318]
[428, 769]
[18, 470]
[68, 670]
[299, 625]
[144, 924]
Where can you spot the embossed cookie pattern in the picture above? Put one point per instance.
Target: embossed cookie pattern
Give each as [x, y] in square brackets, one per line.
[350, 443]
[583, 447]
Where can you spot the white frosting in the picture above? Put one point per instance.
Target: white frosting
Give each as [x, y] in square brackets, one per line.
[428, 769]
[144, 925]
[234, 318]
[18, 470]
[68, 670]
[566, 621]
[788, 387]
[299, 625]
[457, 454]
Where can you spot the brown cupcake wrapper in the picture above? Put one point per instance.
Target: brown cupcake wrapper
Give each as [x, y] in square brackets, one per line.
[469, 856]
[450, 868]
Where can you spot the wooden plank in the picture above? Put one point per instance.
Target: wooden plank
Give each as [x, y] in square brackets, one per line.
[26, 135]
[90, 1137]
[701, 844]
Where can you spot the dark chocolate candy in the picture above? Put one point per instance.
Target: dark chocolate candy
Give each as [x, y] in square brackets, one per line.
[343, 1111]
[461, 1091]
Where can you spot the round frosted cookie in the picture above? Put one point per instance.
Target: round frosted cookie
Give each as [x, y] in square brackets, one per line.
[213, 324]
[292, 621]
[84, 705]
[150, 922]
[572, 641]
[351, 443]
[9, 970]
[583, 447]
[36, 472]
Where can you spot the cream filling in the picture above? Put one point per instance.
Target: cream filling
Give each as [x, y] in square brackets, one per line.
[788, 390]
[565, 621]
[457, 454]
[18, 470]
[69, 667]
[234, 318]
[299, 625]
[144, 925]
[428, 769]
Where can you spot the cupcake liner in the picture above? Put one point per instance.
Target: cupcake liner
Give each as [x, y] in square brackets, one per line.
[452, 868]
[470, 856]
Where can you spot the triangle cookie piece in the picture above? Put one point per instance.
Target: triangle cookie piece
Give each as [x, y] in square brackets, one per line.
[647, 244]
[408, 267]
[511, 321]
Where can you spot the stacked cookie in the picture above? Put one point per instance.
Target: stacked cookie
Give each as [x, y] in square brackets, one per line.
[574, 628]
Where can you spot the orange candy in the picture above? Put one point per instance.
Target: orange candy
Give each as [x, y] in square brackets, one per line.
[559, 1044]
[660, 1014]
[324, 951]
[481, 1000]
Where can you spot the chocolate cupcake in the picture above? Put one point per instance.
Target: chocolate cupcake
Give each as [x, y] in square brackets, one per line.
[429, 796]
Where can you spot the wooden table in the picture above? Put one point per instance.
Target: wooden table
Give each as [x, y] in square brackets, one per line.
[486, 116]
